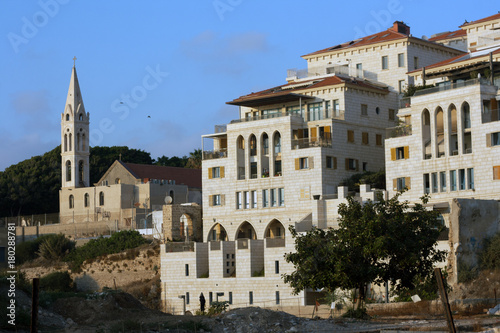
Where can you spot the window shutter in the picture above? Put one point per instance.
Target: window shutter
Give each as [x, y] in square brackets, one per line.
[347, 164]
[221, 172]
[393, 154]
[328, 132]
[488, 140]
[407, 152]
[311, 162]
[297, 164]
[357, 165]
[314, 134]
[300, 133]
[395, 184]
[494, 104]
[335, 163]
[210, 200]
[496, 172]
[209, 173]
[222, 199]
[407, 183]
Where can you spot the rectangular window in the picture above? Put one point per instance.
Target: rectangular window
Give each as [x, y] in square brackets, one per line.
[385, 62]
[442, 176]
[401, 86]
[415, 63]
[400, 153]
[336, 108]
[401, 60]
[239, 200]
[331, 162]
[253, 170]
[470, 178]
[230, 297]
[365, 166]
[495, 139]
[216, 200]
[281, 196]
[186, 267]
[277, 297]
[250, 297]
[453, 180]
[315, 111]
[364, 110]
[427, 185]
[187, 298]
[496, 172]
[254, 199]
[435, 186]
[401, 183]
[461, 178]
[350, 136]
[265, 198]
[351, 164]
[276, 267]
[392, 114]
[359, 67]
[364, 138]
[303, 163]
[246, 196]
[216, 172]
[210, 298]
[274, 197]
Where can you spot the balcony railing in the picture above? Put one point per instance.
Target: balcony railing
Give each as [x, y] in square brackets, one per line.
[311, 142]
[450, 86]
[307, 116]
[398, 131]
[405, 102]
[275, 242]
[213, 154]
[489, 116]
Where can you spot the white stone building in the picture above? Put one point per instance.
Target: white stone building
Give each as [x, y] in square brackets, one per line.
[281, 163]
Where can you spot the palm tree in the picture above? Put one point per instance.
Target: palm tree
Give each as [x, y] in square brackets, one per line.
[194, 160]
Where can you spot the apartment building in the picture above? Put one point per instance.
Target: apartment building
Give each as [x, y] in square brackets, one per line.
[449, 143]
[281, 162]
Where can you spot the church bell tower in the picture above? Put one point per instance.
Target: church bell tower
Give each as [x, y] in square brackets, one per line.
[74, 138]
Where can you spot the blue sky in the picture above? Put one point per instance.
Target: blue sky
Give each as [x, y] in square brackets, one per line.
[203, 53]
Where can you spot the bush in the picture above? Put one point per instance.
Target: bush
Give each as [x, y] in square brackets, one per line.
[127, 239]
[490, 256]
[55, 247]
[57, 281]
[28, 250]
[356, 313]
[217, 308]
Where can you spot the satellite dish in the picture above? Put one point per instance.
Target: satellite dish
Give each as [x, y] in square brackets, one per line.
[168, 200]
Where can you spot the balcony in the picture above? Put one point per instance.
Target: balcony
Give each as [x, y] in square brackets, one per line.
[213, 154]
[405, 102]
[451, 86]
[307, 116]
[311, 143]
[489, 116]
[398, 131]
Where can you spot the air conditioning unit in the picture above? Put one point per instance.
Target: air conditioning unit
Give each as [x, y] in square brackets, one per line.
[98, 210]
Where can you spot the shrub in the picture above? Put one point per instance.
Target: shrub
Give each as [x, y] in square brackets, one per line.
[217, 308]
[28, 250]
[356, 313]
[55, 247]
[57, 281]
[490, 256]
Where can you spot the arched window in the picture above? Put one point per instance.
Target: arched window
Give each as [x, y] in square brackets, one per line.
[80, 117]
[70, 140]
[265, 144]
[275, 229]
[466, 115]
[439, 132]
[253, 145]
[65, 142]
[452, 130]
[101, 198]
[171, 194]
[86, 200]
[68, 171]
[277, 154]
[217, 233]
[277, 143]
[246, 230]
[426, 134]
[117, 181]
[71, 202]
[77, 148]
[83, 142]
[81, 176]
[67, 116]
[240, 157]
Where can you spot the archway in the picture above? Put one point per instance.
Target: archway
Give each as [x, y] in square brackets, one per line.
[217, 233]
[246, 230]
[275, 229]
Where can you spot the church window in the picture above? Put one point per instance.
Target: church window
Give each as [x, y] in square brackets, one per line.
[68, 171]
[65, 142]
[71, 202]
[86, 200]
[80, 173]
[70, 139]
[101, 198]
[67, 116]
[80, 117]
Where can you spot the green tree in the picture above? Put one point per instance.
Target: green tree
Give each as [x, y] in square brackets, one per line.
[374, 243]
[194, 160]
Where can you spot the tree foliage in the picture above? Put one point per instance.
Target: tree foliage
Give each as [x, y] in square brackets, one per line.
[375, 179]
[374, 243]
[490, 255]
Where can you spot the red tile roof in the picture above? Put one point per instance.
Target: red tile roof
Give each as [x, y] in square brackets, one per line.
[383, 36]
[486, 19]
[186, 176]
[448, 35]
[289, 88]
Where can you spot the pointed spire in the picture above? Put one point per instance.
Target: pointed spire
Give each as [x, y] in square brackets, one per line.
[74, 99]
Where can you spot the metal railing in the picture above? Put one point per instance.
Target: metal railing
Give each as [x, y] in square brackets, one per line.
[490, 116]
[311, 143]
[398, 131]
[213, 154]
[307, 116]
[451, 86]
[405, 102]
